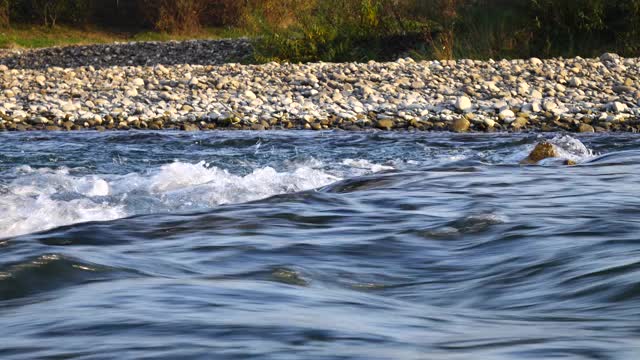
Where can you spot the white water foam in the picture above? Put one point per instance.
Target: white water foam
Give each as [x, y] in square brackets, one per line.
[41, 199]
[363, 166]
[567, 148]
[570, 148]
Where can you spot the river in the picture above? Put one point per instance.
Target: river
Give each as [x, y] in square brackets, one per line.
[318, 245]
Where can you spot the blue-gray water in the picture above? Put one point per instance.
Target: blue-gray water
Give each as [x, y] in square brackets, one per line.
[295, 245]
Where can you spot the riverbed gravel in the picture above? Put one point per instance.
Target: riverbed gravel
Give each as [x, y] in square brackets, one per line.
[203, 85]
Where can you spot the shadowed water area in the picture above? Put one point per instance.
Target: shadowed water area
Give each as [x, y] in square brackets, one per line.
[318, 245]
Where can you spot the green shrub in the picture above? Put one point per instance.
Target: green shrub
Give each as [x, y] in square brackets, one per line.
[346, 30]
[585, 27]
[337, 30]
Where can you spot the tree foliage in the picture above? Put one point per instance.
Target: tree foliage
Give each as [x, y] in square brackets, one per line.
[336, 30]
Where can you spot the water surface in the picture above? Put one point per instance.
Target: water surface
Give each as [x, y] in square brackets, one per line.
[333, 245]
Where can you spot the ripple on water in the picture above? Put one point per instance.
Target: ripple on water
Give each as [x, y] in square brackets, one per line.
[302, 245]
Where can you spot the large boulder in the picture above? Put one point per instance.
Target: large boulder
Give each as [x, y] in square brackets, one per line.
[543, 150]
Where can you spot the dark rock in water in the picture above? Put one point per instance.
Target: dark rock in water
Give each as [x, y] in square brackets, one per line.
[68, 125]
[226, 122]
[543, 150]
[190, 127]
[156, 125]
[287, 276]
[384, 124]
[460, 125]
[570, 162]
[586, 128]
[519, 123]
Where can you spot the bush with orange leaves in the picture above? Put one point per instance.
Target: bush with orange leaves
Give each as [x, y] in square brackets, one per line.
[175, 16]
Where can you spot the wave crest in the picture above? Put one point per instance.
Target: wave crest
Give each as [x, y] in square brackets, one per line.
[41, 199]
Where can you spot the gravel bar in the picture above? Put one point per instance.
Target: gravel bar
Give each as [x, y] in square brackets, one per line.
[202, 85]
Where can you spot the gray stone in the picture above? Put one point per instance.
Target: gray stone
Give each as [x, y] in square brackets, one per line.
[463, 103]
[575, 82]
[609, 57]
[535, 61]
[618, 107]
[620, 89]
[506, 114]
[549, 105]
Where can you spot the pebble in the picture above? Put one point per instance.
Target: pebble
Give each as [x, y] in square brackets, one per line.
[463, 103]
[489, 122]
[618, 107]
[535, 62]
[575, 82]
[549, 105]
[506, 114]
[620, 89]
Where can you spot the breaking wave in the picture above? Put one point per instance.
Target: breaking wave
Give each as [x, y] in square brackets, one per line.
[45, 198]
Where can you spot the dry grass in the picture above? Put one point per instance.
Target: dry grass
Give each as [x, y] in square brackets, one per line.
[42, 36]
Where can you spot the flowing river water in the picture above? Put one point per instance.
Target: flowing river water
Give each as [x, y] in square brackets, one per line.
[318, 245]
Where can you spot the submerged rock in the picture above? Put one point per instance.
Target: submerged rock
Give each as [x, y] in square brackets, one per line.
[288, 276]
[460, 125]
[586, 128]
[190, 127]
[385, 124]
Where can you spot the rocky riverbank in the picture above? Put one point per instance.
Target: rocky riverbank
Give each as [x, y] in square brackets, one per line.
[189, 86]
[194, 52]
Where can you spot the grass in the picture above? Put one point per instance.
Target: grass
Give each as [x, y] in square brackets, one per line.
[24, 36]
[207, 33]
